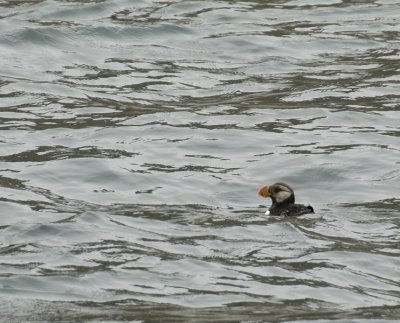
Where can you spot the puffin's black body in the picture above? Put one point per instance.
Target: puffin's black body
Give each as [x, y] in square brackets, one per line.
[283, 201]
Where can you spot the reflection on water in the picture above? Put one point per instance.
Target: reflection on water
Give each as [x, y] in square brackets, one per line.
[134, 136]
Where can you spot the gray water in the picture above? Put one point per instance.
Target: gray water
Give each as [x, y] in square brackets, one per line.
[134, 136]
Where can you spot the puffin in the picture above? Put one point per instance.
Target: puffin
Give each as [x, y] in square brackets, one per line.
[283, 204]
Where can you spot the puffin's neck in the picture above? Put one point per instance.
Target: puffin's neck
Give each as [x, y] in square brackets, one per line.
[289, 200]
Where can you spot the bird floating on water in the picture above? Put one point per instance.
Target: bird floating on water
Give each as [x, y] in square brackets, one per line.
[283, 204]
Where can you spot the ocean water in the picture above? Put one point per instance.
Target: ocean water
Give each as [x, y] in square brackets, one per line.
[134, 136]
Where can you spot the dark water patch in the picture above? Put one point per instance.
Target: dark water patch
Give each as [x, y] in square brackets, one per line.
[186, 168]
[384, 205]
[47, 153]
[13, 3]
[13, 183]
[309, 309]
[187, 213]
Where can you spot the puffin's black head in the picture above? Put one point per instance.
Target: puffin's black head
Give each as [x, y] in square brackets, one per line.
[279, 193]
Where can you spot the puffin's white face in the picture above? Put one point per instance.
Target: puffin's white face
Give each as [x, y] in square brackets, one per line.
[277, 192]
[281, 193]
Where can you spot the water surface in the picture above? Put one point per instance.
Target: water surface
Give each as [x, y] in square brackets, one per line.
[135, 134]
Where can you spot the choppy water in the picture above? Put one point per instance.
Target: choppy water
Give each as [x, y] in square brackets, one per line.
[135, 134]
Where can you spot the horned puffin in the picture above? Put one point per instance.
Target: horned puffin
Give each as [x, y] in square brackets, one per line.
[283, 204]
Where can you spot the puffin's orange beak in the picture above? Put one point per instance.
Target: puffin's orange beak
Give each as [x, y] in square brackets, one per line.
[263, 191]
